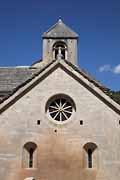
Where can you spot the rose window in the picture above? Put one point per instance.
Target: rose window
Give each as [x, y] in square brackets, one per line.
[60, 109]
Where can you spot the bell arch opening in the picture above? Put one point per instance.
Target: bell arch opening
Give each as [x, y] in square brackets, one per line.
[60, 50]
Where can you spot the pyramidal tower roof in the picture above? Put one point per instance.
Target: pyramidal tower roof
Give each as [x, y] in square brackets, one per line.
[60, 30]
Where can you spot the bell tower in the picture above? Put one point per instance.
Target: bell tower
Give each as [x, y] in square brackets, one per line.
[60, 42]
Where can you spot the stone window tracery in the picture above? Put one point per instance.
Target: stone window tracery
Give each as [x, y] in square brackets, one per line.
[61, 108]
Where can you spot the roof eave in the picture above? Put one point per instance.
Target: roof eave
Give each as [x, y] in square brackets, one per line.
[62, 37]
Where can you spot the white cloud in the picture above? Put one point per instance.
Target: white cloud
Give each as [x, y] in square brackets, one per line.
[105, 68]
[116, 69]
[108, 68]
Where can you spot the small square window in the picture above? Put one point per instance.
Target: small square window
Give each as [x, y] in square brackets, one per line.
[38, 122]
[81, 122]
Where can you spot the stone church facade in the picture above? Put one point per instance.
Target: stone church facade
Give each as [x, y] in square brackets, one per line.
[56, 121]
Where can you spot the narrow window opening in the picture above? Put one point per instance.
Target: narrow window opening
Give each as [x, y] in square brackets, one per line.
[38, 122]
[81, 122]
[31, 158]
[29, 155]
[90, 155]
[89, 158]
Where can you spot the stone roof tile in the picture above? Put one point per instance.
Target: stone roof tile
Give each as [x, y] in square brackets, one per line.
[12, 79]
[60, 30]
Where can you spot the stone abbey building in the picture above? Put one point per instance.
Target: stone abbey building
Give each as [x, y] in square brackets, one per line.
[56, 121]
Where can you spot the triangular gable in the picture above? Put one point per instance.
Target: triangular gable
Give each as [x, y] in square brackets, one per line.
[78, 74]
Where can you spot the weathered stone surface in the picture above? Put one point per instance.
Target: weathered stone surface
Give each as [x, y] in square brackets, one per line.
[35, 146]
[60, 30]
[60, 155]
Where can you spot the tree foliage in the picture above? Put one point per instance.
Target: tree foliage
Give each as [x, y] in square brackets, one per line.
[115, 95]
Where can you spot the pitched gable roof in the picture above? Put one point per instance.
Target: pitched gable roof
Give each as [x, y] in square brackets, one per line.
[60, 30]
[79, 74]
[12, 79]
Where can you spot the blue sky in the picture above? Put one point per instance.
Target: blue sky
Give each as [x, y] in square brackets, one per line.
[22, 22]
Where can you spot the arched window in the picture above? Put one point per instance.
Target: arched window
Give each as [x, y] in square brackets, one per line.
[90, 155]
[60, 108]
[60, 51]
[29, 155]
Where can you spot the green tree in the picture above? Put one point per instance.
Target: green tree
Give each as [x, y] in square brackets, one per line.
[115, 95]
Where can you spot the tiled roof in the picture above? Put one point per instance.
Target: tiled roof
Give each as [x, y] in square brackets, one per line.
[12, 79]
[88, 76]
[60, 30]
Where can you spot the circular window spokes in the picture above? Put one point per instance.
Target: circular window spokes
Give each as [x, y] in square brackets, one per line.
[60, 109]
